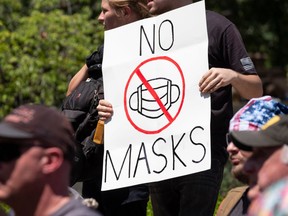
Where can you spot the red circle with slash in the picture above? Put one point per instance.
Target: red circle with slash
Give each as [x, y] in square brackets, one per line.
[139, 74]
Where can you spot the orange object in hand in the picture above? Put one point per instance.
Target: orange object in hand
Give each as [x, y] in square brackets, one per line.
[99, 133]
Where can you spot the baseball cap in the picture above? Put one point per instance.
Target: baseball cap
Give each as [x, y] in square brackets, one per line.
[38, 123]
[272, 134]
[254, 114]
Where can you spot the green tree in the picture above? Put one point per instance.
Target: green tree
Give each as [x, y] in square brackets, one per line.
[43, 43]
[42, 48]
[262, 25]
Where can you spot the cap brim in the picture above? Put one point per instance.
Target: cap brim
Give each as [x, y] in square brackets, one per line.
[9, 132]
[246, 140]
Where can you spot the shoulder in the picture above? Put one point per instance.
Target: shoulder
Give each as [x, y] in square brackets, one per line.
[216, 20]
[218, 25]
[96, 57]
[75, 208]
[232, 198]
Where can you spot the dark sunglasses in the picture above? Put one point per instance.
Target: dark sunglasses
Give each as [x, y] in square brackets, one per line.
[11, 151]
[228, 138]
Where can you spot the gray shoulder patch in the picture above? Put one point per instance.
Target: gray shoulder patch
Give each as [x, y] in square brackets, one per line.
[247, 63]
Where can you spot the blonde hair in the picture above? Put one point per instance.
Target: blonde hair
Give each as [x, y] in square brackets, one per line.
[138, 6]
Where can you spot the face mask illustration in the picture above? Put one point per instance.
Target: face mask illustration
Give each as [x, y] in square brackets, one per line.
[145, 104]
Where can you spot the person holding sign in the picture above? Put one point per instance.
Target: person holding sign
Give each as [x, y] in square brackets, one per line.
[115, 13]
[230, 66]
[130, 200]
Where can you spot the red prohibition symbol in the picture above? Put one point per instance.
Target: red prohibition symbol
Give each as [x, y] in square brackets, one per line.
[154, 94]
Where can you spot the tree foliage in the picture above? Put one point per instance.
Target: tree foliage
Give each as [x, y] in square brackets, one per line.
[263, 25]
[44, 43]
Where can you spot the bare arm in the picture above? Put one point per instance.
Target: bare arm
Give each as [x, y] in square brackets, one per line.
[77, 78]
[248, 86]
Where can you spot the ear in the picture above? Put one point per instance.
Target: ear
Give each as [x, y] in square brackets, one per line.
[126, 11]
[53, 159]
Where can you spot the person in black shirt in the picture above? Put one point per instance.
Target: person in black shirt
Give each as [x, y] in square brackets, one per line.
[229, 66]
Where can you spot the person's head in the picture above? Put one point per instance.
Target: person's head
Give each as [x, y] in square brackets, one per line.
[238, 159]
[269, 158]
[116, 13]
[252, 116]
[157, 7]
[36, 148]
[273, 201]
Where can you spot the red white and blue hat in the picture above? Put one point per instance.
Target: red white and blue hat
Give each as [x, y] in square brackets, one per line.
[256, 113]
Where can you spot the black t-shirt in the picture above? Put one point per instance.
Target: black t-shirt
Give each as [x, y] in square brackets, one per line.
[225, 50]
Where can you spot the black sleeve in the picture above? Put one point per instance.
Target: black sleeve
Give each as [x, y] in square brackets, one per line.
[94, 63]
[96, 57]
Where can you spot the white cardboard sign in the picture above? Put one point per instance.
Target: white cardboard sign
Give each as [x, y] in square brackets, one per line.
[160, 128]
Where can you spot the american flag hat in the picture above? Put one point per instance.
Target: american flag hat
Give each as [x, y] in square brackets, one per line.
[256, 113]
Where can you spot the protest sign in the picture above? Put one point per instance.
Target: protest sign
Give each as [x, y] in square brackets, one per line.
[160, 128]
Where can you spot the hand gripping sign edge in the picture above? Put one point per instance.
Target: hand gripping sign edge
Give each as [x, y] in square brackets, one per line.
[138, 73]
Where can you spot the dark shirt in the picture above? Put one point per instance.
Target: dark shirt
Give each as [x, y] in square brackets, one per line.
[225, 50]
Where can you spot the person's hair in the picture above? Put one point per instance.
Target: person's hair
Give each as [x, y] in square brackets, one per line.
[138, 6]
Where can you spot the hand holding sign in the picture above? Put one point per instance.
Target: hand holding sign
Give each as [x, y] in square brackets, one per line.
[161, 123]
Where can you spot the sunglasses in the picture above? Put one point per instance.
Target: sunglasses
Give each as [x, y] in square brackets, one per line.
[12, 151]
[228, 138]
